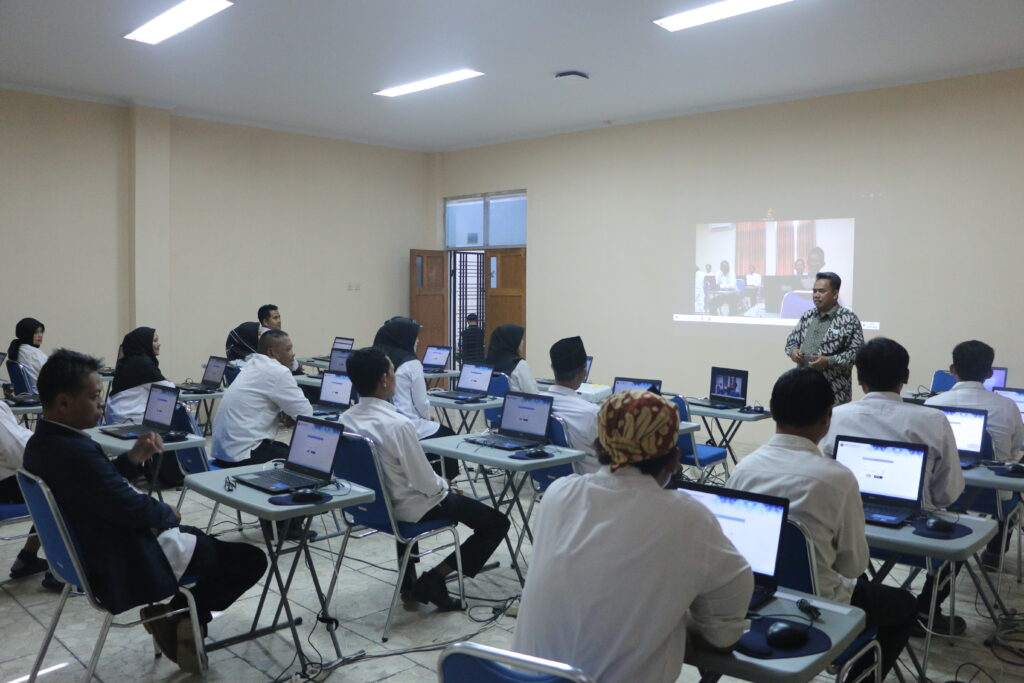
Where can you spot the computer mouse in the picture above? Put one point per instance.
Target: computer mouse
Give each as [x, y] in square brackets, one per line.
[786, 635]
[306, 496]
[1015, 468]
[938, 524]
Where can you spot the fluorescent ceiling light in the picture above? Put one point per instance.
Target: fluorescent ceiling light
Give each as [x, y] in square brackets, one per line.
[175, 20]
[428, 83]
[714, 12]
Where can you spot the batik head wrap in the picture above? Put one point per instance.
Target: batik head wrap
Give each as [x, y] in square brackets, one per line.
[634, 426]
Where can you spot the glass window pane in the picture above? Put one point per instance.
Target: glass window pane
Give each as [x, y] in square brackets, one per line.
[464, 223]
[507, 220]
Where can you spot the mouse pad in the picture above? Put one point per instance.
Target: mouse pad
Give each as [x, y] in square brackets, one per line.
[753, 643]
[286, 499]
[959, 530]
[1000, 470]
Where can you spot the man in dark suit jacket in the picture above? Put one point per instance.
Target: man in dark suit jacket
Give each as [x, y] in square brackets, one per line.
[471, 341]
[133, 546]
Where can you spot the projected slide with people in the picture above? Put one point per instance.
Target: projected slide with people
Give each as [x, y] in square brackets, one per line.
[762, 272]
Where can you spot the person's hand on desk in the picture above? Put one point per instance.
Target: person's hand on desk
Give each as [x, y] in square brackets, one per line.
[286, 421]
[818, 362]
[176, 511]
[797, 355]
[146, 446]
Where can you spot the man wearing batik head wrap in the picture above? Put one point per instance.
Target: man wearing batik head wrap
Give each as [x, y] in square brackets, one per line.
[569, 363]
[624, 572]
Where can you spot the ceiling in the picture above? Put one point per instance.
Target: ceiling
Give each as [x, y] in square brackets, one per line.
[311, 65]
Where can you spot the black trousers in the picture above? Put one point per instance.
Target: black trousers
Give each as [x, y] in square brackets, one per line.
[223, 572]
[451, 465]
[267, 450]
[890, 610]
[489, 528]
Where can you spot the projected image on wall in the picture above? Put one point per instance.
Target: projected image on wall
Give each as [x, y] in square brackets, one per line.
[762, 272]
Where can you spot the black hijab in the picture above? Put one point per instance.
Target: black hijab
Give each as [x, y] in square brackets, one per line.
[24, 331]
[242, 341]
[397, 339]
[503, 349]
[139, 364]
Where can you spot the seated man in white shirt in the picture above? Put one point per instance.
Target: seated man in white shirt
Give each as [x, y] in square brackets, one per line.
[883, 367]
[418, 494]
[262, 396]
[972, 365]
[824, 497]
[623, 572]
[270, 319]
[569, 363]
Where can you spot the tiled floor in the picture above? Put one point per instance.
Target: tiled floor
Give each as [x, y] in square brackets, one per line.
[360, 604]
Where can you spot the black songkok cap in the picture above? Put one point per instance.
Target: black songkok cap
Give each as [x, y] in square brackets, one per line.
[568, 355]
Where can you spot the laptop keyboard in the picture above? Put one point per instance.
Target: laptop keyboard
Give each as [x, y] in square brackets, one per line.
[507, 443]
[290, 479]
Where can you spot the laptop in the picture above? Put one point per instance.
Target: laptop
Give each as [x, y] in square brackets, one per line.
[633, 383]
[890, 475]
[1016, 394]
[998, 379]
[336, 394]
[754, 523]
[310, 462]
[339, 360]
[344, 343]
[157, 418]
[212, 377]
[524, 422]
[474, 379]
[728, 389]
[969, 429]
[109, 371]
[436, 358]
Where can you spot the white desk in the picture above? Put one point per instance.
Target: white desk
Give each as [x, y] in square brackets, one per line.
[254, 502]
[204, 407]
[466, 410]
[23, 412]
[113, 446]
[984, 478]
[842, 623]
[441, 374]
[309, 381]
[713, 418]
[313, 362]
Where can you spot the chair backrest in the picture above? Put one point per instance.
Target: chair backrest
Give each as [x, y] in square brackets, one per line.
[942, 381]
[190, 460]
[20, 378]
[230, 373]
[472, 662]
[794, 304]
[559, 436]
[357, 462]
[741, 284]
[59, 543]
[685, 443]
[498, 387]
[797, 569]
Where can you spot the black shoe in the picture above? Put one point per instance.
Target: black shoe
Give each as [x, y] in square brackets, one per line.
[433, 589]
[27, 566]
[52, 583]
[940, 626]
[408, 583]
[162, 628]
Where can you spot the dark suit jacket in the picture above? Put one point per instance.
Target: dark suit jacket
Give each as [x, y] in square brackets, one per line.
[114, 523]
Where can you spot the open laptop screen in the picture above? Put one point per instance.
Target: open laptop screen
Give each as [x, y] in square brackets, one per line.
[883, 468]
[215, 367]
[475, 377]
[339, 360]
[751, 521]
[632, 383]
[436, 356]
[525, 414]
[336, 389]
[160, 405]
[344, 343]
[728, 385]
[314, 444]
[968, 427]
[1016, 394]
[998, 379]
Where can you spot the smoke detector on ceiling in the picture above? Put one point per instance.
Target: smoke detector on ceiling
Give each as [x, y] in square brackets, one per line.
[571, 77]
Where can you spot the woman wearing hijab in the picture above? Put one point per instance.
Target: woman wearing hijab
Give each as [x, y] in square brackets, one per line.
[505, 353]
[398, 338]
[24, 348]
[134, 372]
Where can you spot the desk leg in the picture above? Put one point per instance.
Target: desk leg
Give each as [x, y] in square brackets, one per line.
[508, 541]
[724, 439]
[995, 595]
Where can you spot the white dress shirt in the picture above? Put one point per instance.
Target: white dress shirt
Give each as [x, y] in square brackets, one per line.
[130, 405]
[413, 485]
[249, 411]
[580, 418]
[753, 280]
[295, 361]
[725, 280]
[522, 379]
[32, 359]
[620, 569]
[823, 496]
[13, 438]
[1004, 424]
[411, 397]
[884, 415]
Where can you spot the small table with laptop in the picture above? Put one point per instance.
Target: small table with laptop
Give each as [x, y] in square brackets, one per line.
[205, 391]
[468, 398]
[337, 394]
[304, 487]
[725, 409]
[336, 358]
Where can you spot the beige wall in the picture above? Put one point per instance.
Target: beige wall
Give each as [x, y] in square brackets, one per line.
[931, 173]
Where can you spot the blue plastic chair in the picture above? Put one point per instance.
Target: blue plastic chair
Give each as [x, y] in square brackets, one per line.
[498, 388]
[543, 478]
[691, 454]
[65, 558]
[942, 381]
[20, 378]
[797, 571]
[357, 462]
[230, 373]
[475, 663]
[12, 513]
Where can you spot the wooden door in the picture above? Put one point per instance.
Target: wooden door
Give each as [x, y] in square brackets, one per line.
[505, 298]
[428, 295]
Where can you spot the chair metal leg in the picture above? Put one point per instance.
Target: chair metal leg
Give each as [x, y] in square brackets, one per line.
[49, 633]
[94, 660]
[458, 567]
[398, 587]
[197, 630]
